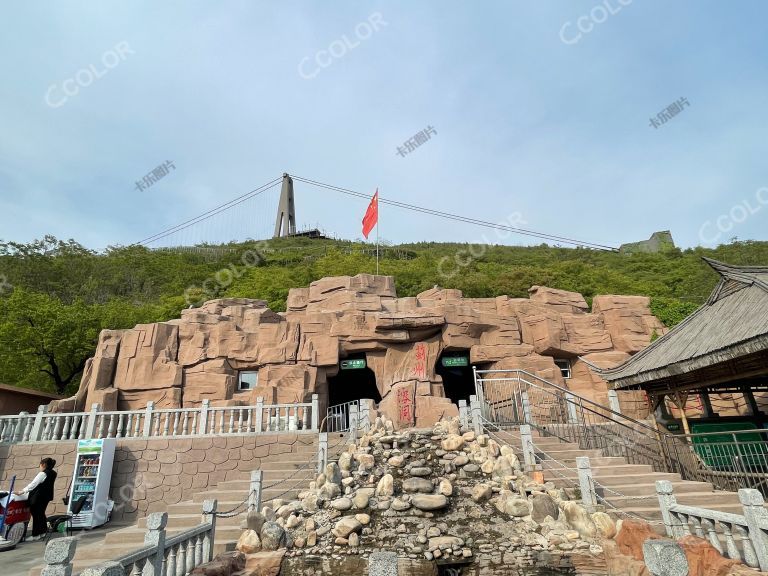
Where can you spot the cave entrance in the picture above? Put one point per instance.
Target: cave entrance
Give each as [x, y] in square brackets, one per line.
[458, 379]
[354, 382]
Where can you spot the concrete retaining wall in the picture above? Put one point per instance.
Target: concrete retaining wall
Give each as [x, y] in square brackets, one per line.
[148, 475]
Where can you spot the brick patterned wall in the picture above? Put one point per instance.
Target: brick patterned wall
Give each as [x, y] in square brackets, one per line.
[150, 474]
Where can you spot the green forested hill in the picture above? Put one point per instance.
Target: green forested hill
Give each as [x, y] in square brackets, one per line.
[56, 296]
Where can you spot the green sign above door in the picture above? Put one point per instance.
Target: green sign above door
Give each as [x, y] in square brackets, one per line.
[454, 361]
[354, 364]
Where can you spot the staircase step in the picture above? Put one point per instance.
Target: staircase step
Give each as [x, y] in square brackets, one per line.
[700, 499]
[269, 493]
[594, 462]
[621, 470]
[679, 487]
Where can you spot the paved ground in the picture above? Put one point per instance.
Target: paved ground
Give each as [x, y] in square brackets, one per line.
[18, 561]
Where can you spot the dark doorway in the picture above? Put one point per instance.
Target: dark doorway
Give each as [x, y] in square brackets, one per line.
[458, 380]
[352, 384]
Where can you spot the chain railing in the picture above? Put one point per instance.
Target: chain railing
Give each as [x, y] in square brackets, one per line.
[151, 422]
[513, 397]
[727, 460]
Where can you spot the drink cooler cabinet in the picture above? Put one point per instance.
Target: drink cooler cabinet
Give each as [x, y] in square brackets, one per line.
[93, 475]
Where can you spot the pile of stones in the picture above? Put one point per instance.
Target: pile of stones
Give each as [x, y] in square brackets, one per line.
[435, 494]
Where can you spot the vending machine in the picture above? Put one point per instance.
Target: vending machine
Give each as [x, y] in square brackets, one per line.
[93, 475]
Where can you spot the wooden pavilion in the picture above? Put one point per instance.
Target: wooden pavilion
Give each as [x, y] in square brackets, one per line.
[720, 348]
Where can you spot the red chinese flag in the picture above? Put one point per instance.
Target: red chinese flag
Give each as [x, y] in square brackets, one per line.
[371, 215]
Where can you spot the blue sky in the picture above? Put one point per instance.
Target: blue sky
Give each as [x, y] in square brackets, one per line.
[555, 131]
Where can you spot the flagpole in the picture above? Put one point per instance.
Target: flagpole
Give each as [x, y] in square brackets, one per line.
[377, 243]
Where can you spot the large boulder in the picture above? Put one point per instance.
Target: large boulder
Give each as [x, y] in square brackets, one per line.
[272, 536]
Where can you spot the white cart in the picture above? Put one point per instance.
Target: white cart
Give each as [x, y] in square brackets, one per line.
[93, 475]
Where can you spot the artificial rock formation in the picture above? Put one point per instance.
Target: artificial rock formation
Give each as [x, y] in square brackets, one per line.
[198, 356]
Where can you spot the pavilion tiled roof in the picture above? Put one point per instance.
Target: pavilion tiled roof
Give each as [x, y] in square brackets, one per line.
[731, 324]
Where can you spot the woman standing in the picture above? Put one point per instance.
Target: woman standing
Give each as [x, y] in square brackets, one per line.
[40, 493]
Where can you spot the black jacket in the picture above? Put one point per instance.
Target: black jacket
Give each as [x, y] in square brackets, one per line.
[43, 493]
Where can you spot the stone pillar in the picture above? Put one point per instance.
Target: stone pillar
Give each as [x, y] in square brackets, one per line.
[315, 412]
[148, 419]
[57, 557]
[463, 414]
[155, 536]
[613, 401]
[366, 407]
[90, 427]
[527, 417]
[39, 425]
[354, 419]
[259, 415]
[322, 451]
[202, 427]
[254, 495]
[477, 416]
[756, 516]
[667, 501]
[586, 484]
[209, 517]
[529, 457]
[570, 406]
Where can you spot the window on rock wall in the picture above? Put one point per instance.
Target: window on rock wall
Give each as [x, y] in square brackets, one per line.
[565, 367]
[247, 380]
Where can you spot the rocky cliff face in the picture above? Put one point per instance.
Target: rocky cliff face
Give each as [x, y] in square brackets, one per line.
[198, 356]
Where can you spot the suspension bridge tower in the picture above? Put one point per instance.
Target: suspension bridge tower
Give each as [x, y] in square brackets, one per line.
[285, 223]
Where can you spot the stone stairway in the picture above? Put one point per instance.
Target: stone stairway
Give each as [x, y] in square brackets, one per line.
[284, 476]
[629, 487]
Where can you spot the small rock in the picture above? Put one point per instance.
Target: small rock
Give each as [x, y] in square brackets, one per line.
[364, 519]
[272, 536]
[445, 488]
[341, 504]
[386, 486]
[249, 542]
[452, 442]
[411, 485]
[346, 526]
[481, 492]
[429, 501]
[354, 540]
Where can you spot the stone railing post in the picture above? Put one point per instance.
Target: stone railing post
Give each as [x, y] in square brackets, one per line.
[105, 569]
[570, 406]
[586, 484]
[202, 427]
[57, 557]
[148, 419]
[463, 414]
[39, 425]
[613, 401]
[21, 425]
[209, 516]
[526, 408]
[155, 536]
[322, 451]
[354, 420]
[315, 412]
[90, 427]
[365, 414]
[254, 495]
[477, 416]
[756, 516]
[526, 438]
[667, 500]
[259, 415]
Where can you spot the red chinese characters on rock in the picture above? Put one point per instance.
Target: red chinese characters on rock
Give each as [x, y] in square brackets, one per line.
[405, 406]
[420, 365]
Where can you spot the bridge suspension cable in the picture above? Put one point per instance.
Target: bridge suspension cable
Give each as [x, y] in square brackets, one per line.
[403, 205]
[457, 217]
[210, 213]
